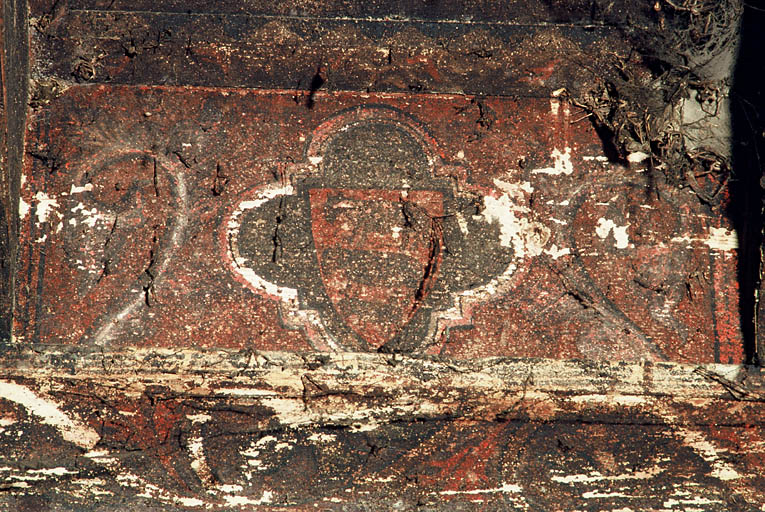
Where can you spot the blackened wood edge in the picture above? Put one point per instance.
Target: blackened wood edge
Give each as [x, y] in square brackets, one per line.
[15, 66]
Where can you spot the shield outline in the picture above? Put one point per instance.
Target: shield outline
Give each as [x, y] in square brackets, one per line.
[307, 309]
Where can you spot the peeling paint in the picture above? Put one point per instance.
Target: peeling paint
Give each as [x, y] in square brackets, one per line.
[606, 226]
[596, 476]
[671, 503]
[23, 208]
[197, 418]
[266, 498]
[637, 157]
[556, 252]
[627, 400]
[44, 207]
[526, 237]
[597, 494]
[78, 190]
[462, 223]
[721, 239]
[561, 164]
[322, 437]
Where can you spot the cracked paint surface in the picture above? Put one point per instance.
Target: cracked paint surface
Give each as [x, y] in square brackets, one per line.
[143, 226]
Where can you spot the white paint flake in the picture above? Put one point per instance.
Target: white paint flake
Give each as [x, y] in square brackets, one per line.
[90, 216]
[71, 429]
[23, 208]
[526, 237]
[100, 456]
[91, 487]
[606, 226]
[267, 497]
[554, 107]
[556, 253]
[149, 490]
[197, 418]
[45, 205]
[628, 400]
[322, 437]
[517, 191]
[636, 157]
[462, 223]
[198, 463]
[59, 471]
[561, 163]
[721, 239]
[79, 190]
[229, 488]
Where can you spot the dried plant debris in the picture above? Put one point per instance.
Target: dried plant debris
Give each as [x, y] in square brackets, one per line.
[667, 101]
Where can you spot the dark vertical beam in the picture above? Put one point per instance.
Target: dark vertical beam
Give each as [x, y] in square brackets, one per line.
[15, 86]
[748, 110]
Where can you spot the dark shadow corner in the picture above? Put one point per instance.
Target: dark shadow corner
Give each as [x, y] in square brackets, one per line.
[748, 159]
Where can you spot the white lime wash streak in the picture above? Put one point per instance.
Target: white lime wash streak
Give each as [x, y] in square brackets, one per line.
[505, 487]
[596, 476]
[606, 226]
[72, 430]
[266, 498]
[718, 239]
